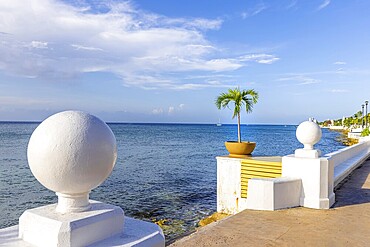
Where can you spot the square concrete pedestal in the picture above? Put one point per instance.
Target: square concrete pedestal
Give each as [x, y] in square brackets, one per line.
[43, 226]
[102, 225]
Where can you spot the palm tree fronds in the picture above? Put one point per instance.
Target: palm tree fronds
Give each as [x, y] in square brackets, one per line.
[246, 98]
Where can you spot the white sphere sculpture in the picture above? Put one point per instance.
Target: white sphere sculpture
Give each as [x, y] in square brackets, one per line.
[71, 153]
[308, 133]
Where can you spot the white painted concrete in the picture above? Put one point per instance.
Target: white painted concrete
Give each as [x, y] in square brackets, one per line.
[136, 233]
[305, 153]
[44, 226]
[337, 127]
[71, 153]
[229, 198]
[315, 173]
[317, 180]
[364, 139]
[354, 135]
[347, 159]
[308, 133]
[263, 194]
[307, 179]
[273, 193]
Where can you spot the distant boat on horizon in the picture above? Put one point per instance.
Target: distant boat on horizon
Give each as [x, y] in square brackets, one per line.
[219, 124]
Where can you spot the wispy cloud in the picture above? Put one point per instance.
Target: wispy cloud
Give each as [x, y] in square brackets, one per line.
[300, 79]
[145, 49]
[195, 86]
[292, 4]
[323, 5]
[340, 63]
[259, 58]
[348, 72]
[157, 111]
[22, 101]
[254, 11]
[171, 110]
[88, 48]
[38, 45]
[339, 91]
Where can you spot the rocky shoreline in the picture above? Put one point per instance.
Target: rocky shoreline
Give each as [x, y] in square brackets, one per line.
[344, 139]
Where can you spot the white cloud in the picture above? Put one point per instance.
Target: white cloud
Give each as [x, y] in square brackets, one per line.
[88, 48]
[146, 50]
[135, 45]
[205, 24]
[259, 58]
[254, 11]
[301, 79]
[171, 110]
[157, 111]
[268, 61]
[339, 91]
[195, 86]
[324, 4]
[38, 45]
[181, 64]
[340, 63]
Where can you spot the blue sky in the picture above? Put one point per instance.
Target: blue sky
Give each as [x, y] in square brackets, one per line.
[166, 61]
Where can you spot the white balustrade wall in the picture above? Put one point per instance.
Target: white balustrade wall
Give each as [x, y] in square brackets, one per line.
[347, 159]
[308, 179]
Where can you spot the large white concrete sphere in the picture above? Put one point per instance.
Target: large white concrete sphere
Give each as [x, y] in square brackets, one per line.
[72, 152]
[308, 133]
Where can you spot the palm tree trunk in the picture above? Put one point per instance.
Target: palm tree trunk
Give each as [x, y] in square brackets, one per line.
[239, 135]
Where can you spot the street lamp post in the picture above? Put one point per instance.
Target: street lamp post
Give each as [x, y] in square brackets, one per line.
[366, 103]
[362, 113]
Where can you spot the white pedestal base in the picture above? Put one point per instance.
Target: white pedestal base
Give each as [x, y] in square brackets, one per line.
[100, 226]
[43, 226]
[136, 233]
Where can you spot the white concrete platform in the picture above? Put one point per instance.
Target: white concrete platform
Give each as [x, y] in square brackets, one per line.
[136, 233]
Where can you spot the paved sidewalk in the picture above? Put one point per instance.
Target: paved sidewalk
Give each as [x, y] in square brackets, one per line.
[346, 224]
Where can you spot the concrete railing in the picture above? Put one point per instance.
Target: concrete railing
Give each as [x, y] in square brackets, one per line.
[308, 179]
[347, 159]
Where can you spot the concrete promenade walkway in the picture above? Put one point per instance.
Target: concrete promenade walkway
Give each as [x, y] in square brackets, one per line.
[346, 224]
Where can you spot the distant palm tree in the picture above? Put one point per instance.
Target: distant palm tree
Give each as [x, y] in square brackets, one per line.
[240, 98]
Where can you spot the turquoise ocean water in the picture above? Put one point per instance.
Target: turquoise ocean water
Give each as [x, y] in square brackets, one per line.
[164, 171]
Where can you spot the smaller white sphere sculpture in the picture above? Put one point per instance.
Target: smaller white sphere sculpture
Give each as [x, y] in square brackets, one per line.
[308, 133]
[71, 153]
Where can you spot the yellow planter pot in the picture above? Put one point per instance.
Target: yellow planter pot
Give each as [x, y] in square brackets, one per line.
[240, 148]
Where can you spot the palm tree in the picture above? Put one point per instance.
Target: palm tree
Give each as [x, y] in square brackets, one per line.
[240, 98]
